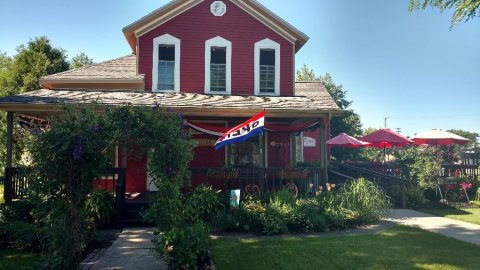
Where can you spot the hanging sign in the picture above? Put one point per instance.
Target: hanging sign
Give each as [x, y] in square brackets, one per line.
[309, 142]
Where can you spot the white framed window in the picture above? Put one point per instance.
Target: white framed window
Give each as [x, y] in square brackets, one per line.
[267, 67]
[166, 64]
[218, 66]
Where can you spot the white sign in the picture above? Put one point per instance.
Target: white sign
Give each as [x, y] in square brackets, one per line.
[309, 142]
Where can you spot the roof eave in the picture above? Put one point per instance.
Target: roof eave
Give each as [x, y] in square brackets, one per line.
[187, 110]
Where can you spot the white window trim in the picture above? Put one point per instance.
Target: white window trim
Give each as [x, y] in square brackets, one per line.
[219, 42]
[166, 40]
[267, 44]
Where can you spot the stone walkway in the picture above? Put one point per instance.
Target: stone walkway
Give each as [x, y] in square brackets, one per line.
[460, 230]
[133, 249]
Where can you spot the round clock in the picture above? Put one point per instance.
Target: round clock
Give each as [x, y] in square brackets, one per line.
[218, 8]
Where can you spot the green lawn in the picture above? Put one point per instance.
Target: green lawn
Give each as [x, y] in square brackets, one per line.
[398, 248]
[471, 215]
[16, 260]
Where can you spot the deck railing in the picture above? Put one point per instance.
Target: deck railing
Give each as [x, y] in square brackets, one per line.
[392, 169]
[401, 171]
[448, 170]
[306, 179]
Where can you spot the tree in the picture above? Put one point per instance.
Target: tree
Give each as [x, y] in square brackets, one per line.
[453, 153]
[38, 58]
[20, 73]
[348, 122]
[80, 60]
[464, 9]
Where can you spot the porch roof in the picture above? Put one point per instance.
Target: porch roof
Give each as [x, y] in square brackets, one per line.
[314, 102]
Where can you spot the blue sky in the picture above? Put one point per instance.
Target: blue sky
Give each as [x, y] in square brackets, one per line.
[409, 67]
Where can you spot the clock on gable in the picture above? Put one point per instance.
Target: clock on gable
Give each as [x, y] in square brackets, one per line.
[218, 8]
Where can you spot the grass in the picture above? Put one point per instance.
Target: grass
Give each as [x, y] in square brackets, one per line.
[398, 248]
[471, 215]
[17, 260]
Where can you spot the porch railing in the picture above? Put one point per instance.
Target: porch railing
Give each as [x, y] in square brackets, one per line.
[16, 185]
[306, 180]
[395, 187]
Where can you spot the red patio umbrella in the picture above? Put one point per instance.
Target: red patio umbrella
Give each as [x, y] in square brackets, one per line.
[386, 137]
[345, 140]
[439, 137]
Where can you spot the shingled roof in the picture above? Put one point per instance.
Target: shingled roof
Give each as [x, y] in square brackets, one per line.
[314, 102]
[123, 68]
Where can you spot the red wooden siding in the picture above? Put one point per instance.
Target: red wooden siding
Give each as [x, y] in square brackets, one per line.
[279, 154]
[205, 157]
[197, 25]
[312, 153]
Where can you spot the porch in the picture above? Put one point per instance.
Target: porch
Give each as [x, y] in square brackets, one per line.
[251, 181]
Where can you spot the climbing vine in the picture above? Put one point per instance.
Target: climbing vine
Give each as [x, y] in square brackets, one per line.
[71, 154]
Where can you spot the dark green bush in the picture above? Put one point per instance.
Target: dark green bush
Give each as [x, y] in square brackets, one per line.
[202, 204]
[415, 197]
[313, 214]
[17, 211]
[100, 205]
[182, 246]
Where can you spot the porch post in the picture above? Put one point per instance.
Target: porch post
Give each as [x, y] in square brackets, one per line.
[120, 188]
[7, 192]
[323, 150]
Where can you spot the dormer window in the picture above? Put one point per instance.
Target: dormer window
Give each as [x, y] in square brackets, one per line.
[218, 59]
[166, 64]
[267, 67]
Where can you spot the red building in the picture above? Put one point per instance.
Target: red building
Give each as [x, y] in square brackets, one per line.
[219, 63]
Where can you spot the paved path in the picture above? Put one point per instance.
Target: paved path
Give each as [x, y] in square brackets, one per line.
[460, 230]
[132, 249]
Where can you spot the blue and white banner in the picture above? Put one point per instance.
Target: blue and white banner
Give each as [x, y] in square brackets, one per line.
[250, 128]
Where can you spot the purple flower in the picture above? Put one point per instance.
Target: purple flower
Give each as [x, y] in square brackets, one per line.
[169, 109]
[78, 150]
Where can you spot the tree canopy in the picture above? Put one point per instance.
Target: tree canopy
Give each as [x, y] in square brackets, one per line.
[37, 58]
[80, 60]
[348, 122]
[464, 9]
[21, 72]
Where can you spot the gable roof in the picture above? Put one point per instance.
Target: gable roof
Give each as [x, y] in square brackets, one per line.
[177, 7]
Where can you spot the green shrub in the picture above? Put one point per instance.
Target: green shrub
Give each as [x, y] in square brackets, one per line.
[24, 235]
[273, 220]
[17, 211]
[313, 214]
[100, 205]
[282, 197]
[202, 204]
[365, 198]
[183, 246]
[415, 197]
